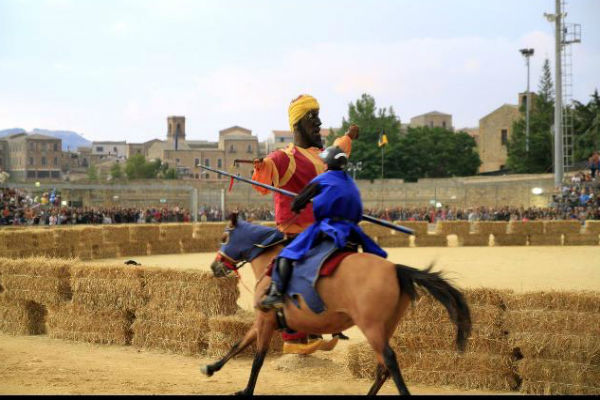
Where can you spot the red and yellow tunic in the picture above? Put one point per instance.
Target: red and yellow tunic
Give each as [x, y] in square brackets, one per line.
[291, 169]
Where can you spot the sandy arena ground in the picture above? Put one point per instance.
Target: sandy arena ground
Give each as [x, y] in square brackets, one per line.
[39, 365]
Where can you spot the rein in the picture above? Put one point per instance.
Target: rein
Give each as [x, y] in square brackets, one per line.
[233, 265]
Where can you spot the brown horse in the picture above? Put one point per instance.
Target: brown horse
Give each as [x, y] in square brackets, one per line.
[365, 290]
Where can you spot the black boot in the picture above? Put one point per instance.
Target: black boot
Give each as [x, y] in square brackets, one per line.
[274, 298]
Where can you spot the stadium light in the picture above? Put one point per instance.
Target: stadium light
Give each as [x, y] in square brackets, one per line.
[537, 190]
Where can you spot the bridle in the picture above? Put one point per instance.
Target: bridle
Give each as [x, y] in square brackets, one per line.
[229, 262]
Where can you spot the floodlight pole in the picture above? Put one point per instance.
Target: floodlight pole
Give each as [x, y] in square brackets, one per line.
[527, 53]
[558, 137]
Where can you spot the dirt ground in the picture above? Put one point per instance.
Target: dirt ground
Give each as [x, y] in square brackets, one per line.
[39, 365]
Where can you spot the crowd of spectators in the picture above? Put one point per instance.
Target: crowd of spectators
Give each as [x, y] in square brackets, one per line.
[579, 199]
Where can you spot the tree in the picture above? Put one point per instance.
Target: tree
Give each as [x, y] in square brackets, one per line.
[115, 171]
[137, 167]
[586, 120]
[541, 118]
[372, 122]
[92, 173]
[170, 173]
[436, 153]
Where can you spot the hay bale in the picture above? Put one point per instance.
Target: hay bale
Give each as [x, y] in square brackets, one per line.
[543, 376]
[225, 331]
[191, 290]
[475, 240]
[506, 381]
[375, 231]
[575, 301]
[480, 314]
[209, 230]
[182, 332]
[579, 239]
[490, 227]
[553, 321]
[79, 323]
[191, 245]
[431, 241]
[420, 227]
[144, 233]
[558, 227]
[591, 227]
[27, 242]
[401, 240]
[164, 247]
[552, 388]
[557, 346]
[459, 228]
[22, 317]
[176, 231]
[105, 251]
[107, 287]
[43, 280]
[510, 240]
[545, 240]
[448, 330]
[133, 249]
[525, 227]
[361, 361]
[115, 234]
[418, 342]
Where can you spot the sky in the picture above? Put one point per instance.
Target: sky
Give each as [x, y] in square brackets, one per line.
[115, 69]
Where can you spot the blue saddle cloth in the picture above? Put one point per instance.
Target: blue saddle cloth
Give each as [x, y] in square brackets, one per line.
[306, 273]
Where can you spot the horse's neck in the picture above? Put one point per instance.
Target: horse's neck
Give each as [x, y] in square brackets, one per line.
[260, 263]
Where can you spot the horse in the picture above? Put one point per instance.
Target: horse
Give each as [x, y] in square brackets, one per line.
[365, 290]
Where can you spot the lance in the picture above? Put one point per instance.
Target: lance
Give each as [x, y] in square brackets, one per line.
[365, 217]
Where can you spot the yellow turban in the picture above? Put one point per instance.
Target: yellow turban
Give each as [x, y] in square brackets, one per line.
[300, 107]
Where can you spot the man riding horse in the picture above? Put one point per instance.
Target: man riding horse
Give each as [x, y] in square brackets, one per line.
[292, 168]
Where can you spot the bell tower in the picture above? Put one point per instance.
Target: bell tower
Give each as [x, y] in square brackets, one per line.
[175, 130]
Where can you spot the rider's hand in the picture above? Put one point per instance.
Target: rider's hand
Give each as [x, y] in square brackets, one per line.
[353, 132]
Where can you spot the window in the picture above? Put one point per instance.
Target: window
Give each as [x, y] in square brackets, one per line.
[43, 160]
[219, 163]
[99, 149]
[177, 161]
[44, 146]
[115, 149]
[281, 140]
[206, 162]
[43, 174]
[31, 174]
[55, 161]
[55, 146]
[30, 160]
[32, 146]
[55, 174]
[196, 162]
[231, 149]
[443, 124]
[431, 124]
[249, 150]
[504, 136]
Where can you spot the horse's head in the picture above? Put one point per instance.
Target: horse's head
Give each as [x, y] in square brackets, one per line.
[241, 242]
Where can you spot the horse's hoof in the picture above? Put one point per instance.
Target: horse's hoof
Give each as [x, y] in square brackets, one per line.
[240, 393]
[206, 370]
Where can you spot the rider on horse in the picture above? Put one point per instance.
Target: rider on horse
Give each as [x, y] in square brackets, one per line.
[337, 208]
[293, 167]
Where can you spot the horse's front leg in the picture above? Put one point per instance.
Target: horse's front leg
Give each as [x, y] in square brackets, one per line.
[265, 328]
[237, 348]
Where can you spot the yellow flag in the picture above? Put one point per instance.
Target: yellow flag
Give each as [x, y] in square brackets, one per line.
[382, 139]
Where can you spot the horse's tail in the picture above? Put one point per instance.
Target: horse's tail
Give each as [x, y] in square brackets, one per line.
[444, 292]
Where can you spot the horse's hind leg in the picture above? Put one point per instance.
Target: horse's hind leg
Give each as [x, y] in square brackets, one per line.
[389, 358]
[237, 348]
[380, 378]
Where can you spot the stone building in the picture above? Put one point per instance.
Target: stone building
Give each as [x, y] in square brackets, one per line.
[185, 155]
[432, 119]
[33, 156]
[3, 155]
[494, 131]
[140, 148]
[281, 139]
[110, 150]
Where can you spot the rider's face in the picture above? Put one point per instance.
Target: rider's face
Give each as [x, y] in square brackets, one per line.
[310, 128]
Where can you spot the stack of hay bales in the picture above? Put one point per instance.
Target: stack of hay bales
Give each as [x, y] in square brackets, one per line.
[105, 298]
[114, 235]
[28, 288]
[395, 238]
[226, 330]
[206, 237]
[426, 349]
[27, 243]
[170, 238]
[519, 233]
[557, 334]
[588, 237]
[179, 304]
[376, 232]
[140, 235]
[483, 230]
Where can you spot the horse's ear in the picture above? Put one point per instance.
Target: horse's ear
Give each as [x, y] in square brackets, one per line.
[234, 218]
